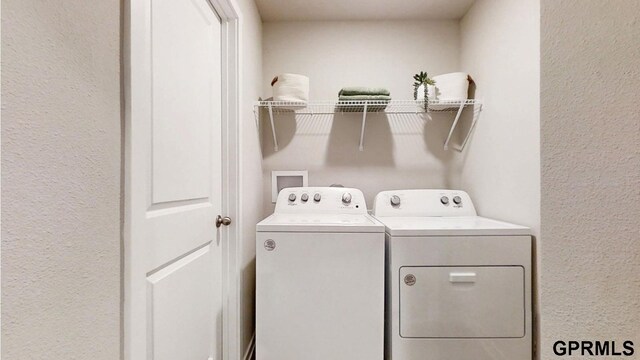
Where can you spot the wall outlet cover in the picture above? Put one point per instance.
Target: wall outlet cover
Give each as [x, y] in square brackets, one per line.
[286, 179]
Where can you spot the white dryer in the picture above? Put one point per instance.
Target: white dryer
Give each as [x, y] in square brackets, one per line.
[320, 278]
[458, 285]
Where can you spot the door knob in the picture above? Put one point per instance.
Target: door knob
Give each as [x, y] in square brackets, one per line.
[226, 221]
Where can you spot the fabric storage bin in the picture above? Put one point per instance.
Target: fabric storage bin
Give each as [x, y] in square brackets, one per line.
[290, 87]
[452, 87]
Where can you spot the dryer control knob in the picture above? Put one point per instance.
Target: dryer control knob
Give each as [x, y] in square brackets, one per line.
[292, 197]
[346, 198]
[304, 197]
[317, 197]
[444, 200]
[395, 200]
[457, 200]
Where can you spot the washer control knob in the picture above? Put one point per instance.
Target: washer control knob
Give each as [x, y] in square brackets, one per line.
[444, 200]
[457, 200]
[346, 198]
[292, 197]
[317, 197]
[395, 200]
[304, 197]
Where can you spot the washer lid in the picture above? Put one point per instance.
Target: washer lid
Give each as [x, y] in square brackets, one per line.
[450, 226]
[344, 223]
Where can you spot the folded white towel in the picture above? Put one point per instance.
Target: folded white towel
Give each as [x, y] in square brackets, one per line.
[290, 87]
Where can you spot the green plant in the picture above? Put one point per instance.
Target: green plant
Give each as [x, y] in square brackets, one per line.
[422, 78]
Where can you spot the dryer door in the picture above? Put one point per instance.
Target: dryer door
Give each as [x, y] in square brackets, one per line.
[462, 302]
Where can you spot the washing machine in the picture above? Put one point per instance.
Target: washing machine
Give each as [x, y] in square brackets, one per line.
[458, 285]
[320, 278]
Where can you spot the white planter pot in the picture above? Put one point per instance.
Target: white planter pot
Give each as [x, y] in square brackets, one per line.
[432, 91]
[420, 93]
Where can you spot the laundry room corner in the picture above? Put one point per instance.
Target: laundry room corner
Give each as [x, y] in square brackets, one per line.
[500, 168]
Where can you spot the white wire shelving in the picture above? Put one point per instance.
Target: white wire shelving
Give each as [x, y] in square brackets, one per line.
[272, 108]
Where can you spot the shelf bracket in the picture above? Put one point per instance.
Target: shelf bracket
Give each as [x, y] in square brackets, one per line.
[453, 126]
[364, 121]
[476, 113]
[273, 129]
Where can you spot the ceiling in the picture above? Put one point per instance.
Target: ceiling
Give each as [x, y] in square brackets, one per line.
[288, 10]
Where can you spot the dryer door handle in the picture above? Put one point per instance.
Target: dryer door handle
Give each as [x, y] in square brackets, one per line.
[462, 277]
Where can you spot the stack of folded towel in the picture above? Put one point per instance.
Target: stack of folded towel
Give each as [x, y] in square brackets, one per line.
[380, 95]
[363, 93]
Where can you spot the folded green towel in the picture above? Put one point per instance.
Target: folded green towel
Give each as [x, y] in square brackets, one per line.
[356, 90]
[364, 97]
[380, 104]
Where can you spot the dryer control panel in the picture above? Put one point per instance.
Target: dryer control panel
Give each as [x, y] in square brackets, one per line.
[426, 202]
[321, 200]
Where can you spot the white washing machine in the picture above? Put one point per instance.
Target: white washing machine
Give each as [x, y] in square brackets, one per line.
[458, 285]
[320, 278]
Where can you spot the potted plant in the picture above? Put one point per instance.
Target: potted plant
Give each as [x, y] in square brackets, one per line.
[420, 90]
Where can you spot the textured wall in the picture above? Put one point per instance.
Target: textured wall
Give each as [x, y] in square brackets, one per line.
[60, 180]
[400, 151]
[590, 131]
[251, 191]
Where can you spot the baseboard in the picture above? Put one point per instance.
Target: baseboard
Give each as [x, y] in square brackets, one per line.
[251, 348]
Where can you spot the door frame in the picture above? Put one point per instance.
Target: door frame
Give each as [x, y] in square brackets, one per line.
[230, 22]
[227, 11]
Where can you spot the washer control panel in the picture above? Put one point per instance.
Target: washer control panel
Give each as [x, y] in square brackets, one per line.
[326, 200]
[427, 202]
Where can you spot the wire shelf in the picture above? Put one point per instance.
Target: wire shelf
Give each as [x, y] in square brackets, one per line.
[370, 106]
[391, 106]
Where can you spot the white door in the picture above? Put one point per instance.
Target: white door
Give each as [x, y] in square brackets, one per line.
[173, 263]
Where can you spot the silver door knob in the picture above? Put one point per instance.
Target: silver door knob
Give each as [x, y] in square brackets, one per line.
[226, 221]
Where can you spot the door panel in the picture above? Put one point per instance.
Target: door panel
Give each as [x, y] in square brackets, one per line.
[183, 54]
[173, 258]
[180, 231]
[180, 295]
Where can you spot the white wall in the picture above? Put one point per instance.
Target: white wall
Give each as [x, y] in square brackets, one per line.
[400, 151]
[500, 169]
[590, 128]
[251, 170]
[60, 179]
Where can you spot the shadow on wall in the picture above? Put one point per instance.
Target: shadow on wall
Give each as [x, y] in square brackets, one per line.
[395, 145]
[436, 129]
[465, 125]
[344, 141]
[343, 132]
[249, 303]
[285, 127]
